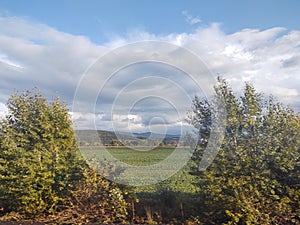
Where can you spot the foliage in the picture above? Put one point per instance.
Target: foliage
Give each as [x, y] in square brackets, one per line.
[95, 200]
[255, 177]
[41, 170]
[39, 161]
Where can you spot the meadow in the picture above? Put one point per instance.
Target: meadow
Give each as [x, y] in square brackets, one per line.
[179, 181]
[137, 157]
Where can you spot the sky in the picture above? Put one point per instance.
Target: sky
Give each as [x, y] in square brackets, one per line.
[68, 49]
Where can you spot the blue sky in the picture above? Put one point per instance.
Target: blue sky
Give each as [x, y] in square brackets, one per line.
[56, 44]
[98, 20]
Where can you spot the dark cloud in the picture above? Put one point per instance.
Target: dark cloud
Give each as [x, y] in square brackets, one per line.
[291, 62]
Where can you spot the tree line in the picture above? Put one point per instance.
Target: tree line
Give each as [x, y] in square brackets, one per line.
[254, 178]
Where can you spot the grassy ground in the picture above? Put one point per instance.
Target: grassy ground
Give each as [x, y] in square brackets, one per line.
[180, 181]
[140, 157]
[173, 198]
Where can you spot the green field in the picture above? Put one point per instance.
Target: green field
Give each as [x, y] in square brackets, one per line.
[179, 181]
[140, 157]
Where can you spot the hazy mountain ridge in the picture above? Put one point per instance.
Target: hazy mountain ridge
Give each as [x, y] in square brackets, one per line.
[103, 137]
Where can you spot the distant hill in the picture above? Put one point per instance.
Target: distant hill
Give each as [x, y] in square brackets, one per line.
[155, 135]
[99, 137]
[102, 137]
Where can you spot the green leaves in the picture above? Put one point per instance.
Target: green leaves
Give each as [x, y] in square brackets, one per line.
[42, 172]
[256, 175]
[39, 159]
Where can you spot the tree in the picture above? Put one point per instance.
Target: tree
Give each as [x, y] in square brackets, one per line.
[39, 158]
[255, 177]
[201, 119]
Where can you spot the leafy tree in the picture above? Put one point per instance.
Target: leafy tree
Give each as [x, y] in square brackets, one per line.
[201, 119]
[42, 172]
[255, 177]
[39, 159]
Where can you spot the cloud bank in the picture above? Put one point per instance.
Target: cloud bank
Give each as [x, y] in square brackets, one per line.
[33, 54]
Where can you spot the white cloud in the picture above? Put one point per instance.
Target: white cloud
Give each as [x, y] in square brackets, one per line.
[3, 110]
[11, 64]
[127, 122]
[236, 52]
[190, 19]
[34, 54]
